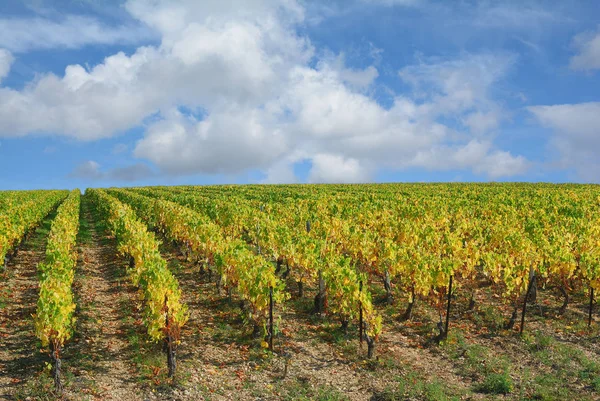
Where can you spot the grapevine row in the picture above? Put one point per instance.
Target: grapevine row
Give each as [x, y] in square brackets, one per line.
[237, 266]
[54, 319]
[418, 237]
[20, 213]
[310, 255]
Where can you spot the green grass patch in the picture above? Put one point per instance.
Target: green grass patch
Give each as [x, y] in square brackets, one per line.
[412, 387]
[567, 362]
[480, 364]
[84, 235]
[496, 383]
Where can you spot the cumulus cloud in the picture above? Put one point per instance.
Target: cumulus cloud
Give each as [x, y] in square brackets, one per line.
[282, 171]
[73, 31]
[268, 101]
[576, 138]
[328, 168]
[86, 105]
[220, 61]
[588, 51]
[6, 59]
[477, 155]
[356, 78]
[230, 140]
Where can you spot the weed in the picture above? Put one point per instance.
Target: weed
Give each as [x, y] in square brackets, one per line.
[496, 383]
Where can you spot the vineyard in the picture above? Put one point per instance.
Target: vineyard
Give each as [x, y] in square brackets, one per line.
[329, 292]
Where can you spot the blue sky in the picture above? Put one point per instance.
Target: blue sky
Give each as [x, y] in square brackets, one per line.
[147, 92]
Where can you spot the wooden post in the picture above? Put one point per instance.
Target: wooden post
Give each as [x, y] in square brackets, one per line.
[448, 308]
[360, 316]
[529, 287]
[320, 298]
[271, 334]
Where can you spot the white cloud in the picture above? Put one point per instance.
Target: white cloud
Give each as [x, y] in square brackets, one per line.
[480, 123]
[576, 135]
[499, 164]
[228, 141]
[324, 107]
[356, 78]
[458, 85]
[221, 62]
[6, 59]
[588, 51]
[267, 101]
[579, 122]
[281, 172]
[73, 31]
[328, 168]
[477, 155]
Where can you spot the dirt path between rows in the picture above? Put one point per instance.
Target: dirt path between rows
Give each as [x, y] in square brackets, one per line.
[100, 356]
[19, 356]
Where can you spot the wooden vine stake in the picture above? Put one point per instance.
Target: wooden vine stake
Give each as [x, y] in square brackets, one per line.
[360, 316]
[271, 333]
[529, 287]
[448, 308]
[591, 306]
[320, 298]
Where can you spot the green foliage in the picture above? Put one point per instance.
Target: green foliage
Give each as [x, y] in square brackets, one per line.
[54, 319]
[20, 211]
[239, 266]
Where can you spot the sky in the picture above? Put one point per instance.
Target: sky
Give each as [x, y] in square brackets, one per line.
[170, 92]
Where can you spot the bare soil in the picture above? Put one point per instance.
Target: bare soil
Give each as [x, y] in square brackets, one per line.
[20, 350]
[100, 358]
